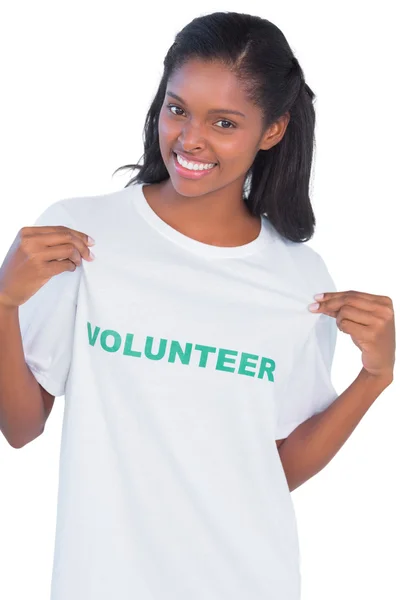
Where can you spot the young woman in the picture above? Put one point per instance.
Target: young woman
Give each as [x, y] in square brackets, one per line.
[196, 379]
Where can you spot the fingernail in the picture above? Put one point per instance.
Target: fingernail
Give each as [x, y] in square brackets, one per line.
[318, 296]
[91, 241]
[91, 255]
[313, 306]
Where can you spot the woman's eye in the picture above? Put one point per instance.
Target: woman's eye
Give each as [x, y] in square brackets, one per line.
[229, 123]
[171, 106]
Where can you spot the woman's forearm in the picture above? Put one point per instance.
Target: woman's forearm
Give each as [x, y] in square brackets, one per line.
[313, 444]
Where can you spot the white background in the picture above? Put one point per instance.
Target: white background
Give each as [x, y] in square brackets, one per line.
[77, 79]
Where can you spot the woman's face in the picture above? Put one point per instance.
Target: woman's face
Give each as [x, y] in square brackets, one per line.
[200, 119]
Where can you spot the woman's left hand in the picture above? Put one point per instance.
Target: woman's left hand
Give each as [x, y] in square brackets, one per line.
[369, 320]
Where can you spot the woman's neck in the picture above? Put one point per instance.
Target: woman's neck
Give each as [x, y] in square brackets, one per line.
[209, 219]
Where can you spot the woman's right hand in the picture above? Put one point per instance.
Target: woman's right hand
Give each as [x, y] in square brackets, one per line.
[35, 256]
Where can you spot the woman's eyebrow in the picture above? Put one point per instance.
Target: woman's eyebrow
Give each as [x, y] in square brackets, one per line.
[212, 111]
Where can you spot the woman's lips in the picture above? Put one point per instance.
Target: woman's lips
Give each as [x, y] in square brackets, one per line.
[190, 173]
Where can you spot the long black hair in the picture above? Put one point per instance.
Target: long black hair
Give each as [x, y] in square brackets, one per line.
[256, 51]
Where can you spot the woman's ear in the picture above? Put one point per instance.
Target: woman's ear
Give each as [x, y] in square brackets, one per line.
[274, 133]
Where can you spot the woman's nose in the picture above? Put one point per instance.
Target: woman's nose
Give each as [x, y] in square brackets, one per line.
[191, 136]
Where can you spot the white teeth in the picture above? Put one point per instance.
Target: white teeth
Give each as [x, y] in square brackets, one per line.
[192, 165]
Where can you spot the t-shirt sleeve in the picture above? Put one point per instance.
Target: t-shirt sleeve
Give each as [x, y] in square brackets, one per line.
[309, 389]
[47, 319]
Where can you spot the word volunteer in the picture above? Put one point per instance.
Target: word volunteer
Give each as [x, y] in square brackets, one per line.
[198, 354]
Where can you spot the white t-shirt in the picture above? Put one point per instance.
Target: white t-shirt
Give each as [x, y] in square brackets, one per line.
[181, 364]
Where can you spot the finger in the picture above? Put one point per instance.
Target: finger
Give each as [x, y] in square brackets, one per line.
[356, 315]
[62, 252]
[385, 300]
[73, 247]
[352, 299]
[59, 228]
[67, 237]
[359, 333]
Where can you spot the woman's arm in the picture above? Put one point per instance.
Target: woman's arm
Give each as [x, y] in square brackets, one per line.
[22, 413]
[313, 444]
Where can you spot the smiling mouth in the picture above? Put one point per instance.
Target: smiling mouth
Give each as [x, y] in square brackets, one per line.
[195, 162]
